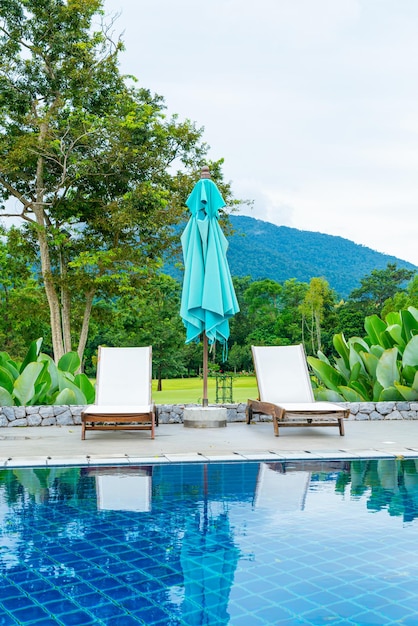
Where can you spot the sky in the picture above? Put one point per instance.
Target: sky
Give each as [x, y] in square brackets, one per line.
[313, 104]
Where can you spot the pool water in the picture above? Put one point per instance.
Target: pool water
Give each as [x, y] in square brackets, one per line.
[246, 544]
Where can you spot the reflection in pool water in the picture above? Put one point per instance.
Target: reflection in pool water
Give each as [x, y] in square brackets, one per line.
[238, 543]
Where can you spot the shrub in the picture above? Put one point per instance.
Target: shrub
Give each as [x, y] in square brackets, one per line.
[38, 380]
[382, 366]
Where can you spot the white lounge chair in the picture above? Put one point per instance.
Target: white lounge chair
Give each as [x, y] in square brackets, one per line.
[123, 392]
[285, 391]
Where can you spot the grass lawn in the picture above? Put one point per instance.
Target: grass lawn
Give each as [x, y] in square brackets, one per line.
[190, 390]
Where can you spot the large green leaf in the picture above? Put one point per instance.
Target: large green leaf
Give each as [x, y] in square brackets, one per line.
[387, 369]
[355, 372]
[370, 363]
[390, 394]
[322, 357]
[410, 354]
[409, 324]
[52, 370]
[8, 363]
[377, 391]
[374, 327]
[42, 387]
[66, 396]
[326, 395]
[377, 350]
[70, 362]
[393, 317]
[395, 331]
[11, 367]
[356, 362]
[361, 388]
[351, 395]
[5, 398]
[341, 367]
[6, 379]
[358, 344]
[342, 348]
[66, 383]
[408, 374]
[24, 387]
[86, 387]
[32, 354]
[326, 373]
[407, 393]
[413, 311]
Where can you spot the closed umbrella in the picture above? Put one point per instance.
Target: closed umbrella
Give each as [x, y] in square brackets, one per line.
[208, 296]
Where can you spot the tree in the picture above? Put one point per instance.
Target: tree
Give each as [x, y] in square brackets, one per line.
[87, 157]
[23, 307]
[317, 299]
[379, 285]
[263, 300]
[289, 322]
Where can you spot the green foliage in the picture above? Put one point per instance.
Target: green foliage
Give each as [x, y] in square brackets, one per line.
[97, 170]
[382, 366]
[37, 380]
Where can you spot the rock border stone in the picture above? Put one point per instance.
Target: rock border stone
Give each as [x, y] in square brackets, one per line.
[67, 415]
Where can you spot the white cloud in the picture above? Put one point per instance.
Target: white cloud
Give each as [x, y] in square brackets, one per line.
[311, 103]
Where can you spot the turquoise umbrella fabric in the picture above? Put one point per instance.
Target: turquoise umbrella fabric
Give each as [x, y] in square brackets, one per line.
[208, 297]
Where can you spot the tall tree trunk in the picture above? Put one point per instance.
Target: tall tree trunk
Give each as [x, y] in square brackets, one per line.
[41, 231]
[85, 325]
[318, 329]
[65, 305]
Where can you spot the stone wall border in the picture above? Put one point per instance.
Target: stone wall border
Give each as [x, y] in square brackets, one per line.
[15, 416]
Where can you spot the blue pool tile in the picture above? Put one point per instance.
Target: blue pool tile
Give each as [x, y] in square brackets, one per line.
[35, 585]
[42, 621]
[153, 615]
[120, 593]
[91, 574]
[250, 620]
[77, 618]
[368, 618]
[30, 613]
[106, 611]
[125, 620]
[8, 590]
[397, 612]
[6, 619]
[43, 597]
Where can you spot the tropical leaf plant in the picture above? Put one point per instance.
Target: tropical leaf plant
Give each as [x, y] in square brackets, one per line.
[382, 366]
[38, 380]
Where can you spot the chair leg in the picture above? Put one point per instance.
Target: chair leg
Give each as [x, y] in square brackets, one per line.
[341, 426]
[275, 425]
[249, 413]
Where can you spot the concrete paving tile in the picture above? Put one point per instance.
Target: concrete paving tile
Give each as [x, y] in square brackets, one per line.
[185, 458]
[117, 459]
[147, 460]
[224, 457]
[33, 461]
[334, 454]
[75, 461]
[373, 454]
[261, 456]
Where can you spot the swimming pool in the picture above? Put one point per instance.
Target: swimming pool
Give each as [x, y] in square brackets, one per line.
[242, 543]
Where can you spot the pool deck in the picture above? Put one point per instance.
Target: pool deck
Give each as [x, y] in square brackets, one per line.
[55, 445]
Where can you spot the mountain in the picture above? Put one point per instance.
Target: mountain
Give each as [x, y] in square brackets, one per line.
[263, 250]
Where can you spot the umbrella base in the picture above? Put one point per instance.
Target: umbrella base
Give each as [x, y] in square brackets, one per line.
[204, 417]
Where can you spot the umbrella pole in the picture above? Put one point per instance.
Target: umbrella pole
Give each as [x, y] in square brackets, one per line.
[205, 370]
